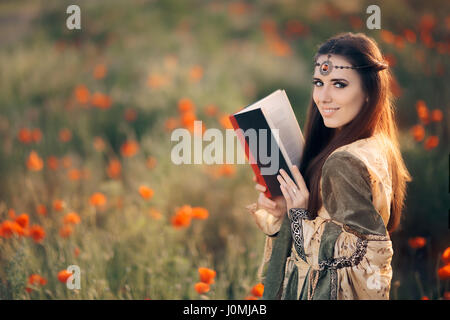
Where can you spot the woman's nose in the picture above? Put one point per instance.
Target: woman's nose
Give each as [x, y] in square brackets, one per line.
[325, 94]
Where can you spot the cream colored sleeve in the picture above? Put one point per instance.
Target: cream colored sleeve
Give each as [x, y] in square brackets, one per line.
[264, 220]
[371, 278]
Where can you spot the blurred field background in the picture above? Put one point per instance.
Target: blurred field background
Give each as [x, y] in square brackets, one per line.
[85, 123]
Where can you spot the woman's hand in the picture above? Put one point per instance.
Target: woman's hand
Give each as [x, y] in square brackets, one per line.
[295, 193]
[276, 207]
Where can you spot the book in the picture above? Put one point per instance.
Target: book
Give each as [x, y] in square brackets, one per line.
[274, 115]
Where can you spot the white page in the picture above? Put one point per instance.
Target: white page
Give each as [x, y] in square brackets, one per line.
[279, 115]
[258, 104]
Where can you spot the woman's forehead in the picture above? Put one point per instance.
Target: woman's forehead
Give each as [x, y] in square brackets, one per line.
[336, 60]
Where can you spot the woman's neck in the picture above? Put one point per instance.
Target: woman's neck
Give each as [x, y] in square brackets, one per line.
[336, 131]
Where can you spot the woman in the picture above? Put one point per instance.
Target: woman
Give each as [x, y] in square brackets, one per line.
[348, 194]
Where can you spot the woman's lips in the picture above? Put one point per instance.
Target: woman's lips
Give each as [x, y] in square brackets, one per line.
[327, 112]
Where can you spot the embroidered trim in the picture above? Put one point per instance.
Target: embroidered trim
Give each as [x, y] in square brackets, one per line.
[341, 262]
[296, 215]
[333, 284]
[374, 237]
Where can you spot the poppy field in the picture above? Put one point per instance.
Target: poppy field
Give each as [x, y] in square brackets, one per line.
[86, 118]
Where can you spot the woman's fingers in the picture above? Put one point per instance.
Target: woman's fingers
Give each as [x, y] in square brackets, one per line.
[281, 202]
[270, 203]
[299, 178]
[285, 194]
[289, 183]
[260, 187]
[281, 181]
[287, 189]
[264, 201]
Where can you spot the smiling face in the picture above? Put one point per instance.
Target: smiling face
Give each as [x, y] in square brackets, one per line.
[338, 95]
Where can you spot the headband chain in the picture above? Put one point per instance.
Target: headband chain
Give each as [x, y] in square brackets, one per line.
[327, 66]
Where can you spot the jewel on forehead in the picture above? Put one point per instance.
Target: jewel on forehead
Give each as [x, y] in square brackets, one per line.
[326, 67]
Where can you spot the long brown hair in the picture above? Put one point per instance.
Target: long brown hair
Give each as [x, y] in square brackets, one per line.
[377, 116]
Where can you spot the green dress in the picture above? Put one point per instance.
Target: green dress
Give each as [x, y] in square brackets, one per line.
[346, 251]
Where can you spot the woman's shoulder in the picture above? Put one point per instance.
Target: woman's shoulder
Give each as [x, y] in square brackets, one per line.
[363, 155]
[343, 163]
[362, 146]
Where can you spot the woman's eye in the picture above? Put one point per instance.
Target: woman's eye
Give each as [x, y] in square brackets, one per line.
[319, 83]
[340, 85]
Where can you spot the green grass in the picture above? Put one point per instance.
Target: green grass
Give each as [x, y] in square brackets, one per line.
[124, 253]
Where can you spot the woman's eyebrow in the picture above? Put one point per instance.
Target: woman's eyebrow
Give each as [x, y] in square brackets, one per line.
[332, 79]
[339, 80]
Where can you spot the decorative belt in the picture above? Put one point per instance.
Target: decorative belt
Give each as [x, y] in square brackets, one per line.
[296, 216]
